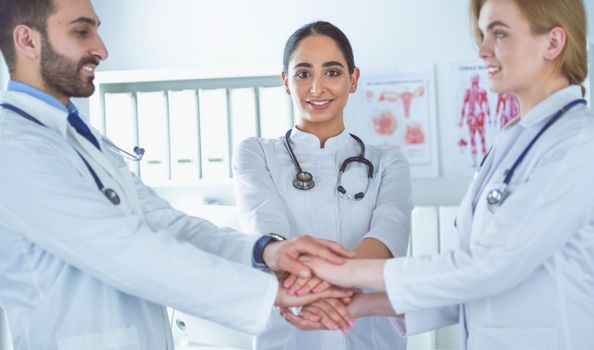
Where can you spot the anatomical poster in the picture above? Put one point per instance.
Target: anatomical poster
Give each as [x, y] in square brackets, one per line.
[479, 114]
[398, 111]
[588, 83]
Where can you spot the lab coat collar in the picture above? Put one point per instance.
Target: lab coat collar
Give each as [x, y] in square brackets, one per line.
[551, 105]
[312, 142]
[51, 116]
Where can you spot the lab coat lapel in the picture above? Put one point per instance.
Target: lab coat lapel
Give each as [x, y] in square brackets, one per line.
[126, 185]
[94, 153]
[465, 214]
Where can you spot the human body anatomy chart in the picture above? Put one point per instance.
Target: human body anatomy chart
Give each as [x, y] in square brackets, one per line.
[399, 111]
[479, 114]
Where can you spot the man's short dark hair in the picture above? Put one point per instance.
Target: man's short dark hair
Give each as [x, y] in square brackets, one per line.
[32, 13]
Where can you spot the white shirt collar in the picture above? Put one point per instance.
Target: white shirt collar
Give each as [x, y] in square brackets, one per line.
[312, 142]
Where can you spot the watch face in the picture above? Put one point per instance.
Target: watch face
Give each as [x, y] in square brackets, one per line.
[277, 237]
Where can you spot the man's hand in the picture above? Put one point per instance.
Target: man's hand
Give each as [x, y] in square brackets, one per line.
[283, 256]
[285, 300]
[301, 286]
[329, 314]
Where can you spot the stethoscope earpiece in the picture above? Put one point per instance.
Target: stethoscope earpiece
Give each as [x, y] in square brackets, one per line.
[136, 157]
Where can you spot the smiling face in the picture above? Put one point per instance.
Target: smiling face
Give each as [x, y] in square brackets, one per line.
[514, 54]
[71, 50]
[319, 82]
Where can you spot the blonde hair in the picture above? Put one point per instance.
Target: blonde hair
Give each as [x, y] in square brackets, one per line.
[545, 15]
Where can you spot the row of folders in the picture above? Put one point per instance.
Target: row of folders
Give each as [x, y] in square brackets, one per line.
[190, 134]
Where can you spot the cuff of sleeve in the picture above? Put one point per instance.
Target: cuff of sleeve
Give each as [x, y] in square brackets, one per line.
[264, 312]
[399, 324]
[396, 244]
[392, 286]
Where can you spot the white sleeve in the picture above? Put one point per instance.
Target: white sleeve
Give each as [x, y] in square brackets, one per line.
[224, 242]
[416, 322]
[391, 216]
[51, 204]
[535, 222]
[261, 209]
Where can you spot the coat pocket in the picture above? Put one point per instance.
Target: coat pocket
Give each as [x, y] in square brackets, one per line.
[499, 338]
[116, 339]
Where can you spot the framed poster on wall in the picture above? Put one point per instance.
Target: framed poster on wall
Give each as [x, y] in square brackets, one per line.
[398, 110]
[478, 114]
[589, 83]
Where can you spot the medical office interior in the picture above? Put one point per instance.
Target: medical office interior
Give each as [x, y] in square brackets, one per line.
[188, 80]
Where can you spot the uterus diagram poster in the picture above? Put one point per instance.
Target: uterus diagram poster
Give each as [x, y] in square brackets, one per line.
[478, 115]
[398, 110]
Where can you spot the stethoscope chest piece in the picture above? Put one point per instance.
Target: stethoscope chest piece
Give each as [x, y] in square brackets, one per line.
[304, 181]
[112, 196]
[495, 198]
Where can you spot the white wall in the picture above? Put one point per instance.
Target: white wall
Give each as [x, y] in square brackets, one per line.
[385, 34]
[3, 73]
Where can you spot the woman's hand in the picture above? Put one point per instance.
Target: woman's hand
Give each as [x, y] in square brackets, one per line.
[359, 273]
[329, 313]
[333, 274]
[370, 304]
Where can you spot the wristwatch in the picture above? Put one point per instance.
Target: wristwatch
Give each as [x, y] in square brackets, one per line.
[258, 252]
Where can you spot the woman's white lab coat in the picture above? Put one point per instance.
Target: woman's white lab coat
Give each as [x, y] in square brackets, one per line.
[77, 272]
[268, 202]
[523, 276]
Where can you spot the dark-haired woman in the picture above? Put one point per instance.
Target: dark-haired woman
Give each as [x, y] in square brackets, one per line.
[293, 185]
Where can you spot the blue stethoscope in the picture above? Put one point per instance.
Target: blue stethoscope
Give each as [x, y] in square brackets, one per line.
[496, 197]
[111, 194]
[304, 180]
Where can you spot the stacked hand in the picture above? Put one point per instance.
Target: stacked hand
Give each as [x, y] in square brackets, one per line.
[285, 255]
[322, 303]
[322, 277]
[325, 312]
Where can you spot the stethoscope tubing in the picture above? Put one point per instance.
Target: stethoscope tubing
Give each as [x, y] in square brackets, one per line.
[309, 183]
[554, 118]
[108, 192]
[496, 197]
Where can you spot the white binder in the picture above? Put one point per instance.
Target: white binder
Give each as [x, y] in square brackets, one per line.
[120, 122]
[243, 115]
[214, 142]
[275, 112]
[183, 133]
[153, 126]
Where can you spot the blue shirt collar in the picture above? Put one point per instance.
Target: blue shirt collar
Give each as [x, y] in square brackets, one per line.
[17, 86]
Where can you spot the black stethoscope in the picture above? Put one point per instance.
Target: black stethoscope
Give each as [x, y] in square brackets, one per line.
[496, 197]
[111, 194]
[304, 180]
